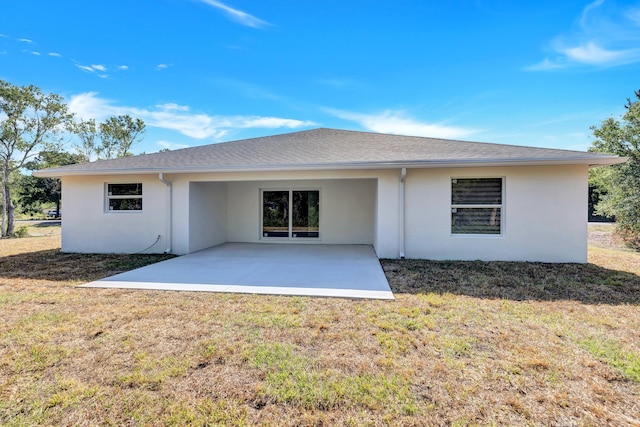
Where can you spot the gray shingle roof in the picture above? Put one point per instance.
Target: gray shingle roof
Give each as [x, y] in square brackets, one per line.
[332, 149]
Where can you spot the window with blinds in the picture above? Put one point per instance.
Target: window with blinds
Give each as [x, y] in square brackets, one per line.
[476, 205]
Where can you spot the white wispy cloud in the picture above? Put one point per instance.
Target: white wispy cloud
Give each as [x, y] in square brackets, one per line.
[3, 35]
[604, 36]
[591, 53]
[162, 66]
[397, 122]
[85, 68]
[172, 145]
[545, 65]
[242, 18]
[99, 69]
[170, 106]
[92, 68]
[178, 117]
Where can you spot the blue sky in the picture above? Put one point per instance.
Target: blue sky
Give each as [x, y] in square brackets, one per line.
[204, 71]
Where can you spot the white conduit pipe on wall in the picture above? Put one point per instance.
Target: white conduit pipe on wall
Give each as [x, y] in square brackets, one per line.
[169, 185]
[403, 175]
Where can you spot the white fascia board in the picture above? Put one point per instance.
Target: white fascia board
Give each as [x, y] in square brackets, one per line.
[590, 161]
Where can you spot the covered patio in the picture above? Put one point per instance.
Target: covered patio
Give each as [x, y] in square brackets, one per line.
[348, 271]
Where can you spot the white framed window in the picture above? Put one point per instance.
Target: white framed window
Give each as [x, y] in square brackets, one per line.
[290, 214]
[477, 206]
[123, 197]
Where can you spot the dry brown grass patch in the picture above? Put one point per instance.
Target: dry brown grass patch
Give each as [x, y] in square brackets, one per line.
[463, 344]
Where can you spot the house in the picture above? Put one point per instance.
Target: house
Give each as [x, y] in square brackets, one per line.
[406, 196]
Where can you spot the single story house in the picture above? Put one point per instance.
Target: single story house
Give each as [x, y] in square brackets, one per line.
[406, 196]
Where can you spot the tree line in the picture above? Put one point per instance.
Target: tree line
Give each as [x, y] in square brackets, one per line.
[617, 187]
[35, 129]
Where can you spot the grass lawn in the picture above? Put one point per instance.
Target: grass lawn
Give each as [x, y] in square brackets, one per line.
[465, 343]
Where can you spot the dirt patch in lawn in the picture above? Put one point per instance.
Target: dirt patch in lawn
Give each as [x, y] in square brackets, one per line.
[480, 353]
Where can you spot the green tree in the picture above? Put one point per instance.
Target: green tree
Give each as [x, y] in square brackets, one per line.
[34, 191]
[110, 139]
[87, 133]
[118, 134]
[619, 185]
[30, 121]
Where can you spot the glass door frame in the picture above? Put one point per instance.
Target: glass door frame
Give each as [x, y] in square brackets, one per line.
[290, 232]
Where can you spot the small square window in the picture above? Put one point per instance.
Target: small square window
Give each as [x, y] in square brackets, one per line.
[124, 197]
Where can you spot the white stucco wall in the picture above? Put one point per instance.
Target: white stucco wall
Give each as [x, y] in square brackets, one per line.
[387, 231]
[544, 215]
[87, 226]
[347, 210]
[207, 214]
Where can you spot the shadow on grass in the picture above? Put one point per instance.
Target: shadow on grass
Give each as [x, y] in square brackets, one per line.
[47, 223]
[65, 267]
[517, 281]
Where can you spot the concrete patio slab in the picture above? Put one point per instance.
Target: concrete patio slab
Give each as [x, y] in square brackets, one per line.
[349, 271]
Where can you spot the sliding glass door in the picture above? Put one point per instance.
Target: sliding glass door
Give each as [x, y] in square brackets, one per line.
[291, 213]
[305, 216]
[275, 214]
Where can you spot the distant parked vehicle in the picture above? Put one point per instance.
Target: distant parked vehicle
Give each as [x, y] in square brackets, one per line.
[54, 214]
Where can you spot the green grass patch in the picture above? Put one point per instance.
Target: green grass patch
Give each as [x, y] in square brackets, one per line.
[37, 357]
[151, 372]
[394, 343]
[293, 379]
[455, 346]
[35, 329]
[10, 297]
[268, 320]
[270, 313]
[610, 352]
[205, 412]
[68, 393]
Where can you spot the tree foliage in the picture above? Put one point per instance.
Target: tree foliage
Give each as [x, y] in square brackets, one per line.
[33, 123]
[86, 131]
[30, 121]
[110, 139]
[118, 134]
[34, 191]
[619, 185]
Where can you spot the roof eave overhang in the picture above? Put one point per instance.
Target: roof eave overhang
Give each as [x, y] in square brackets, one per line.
[591, 162]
